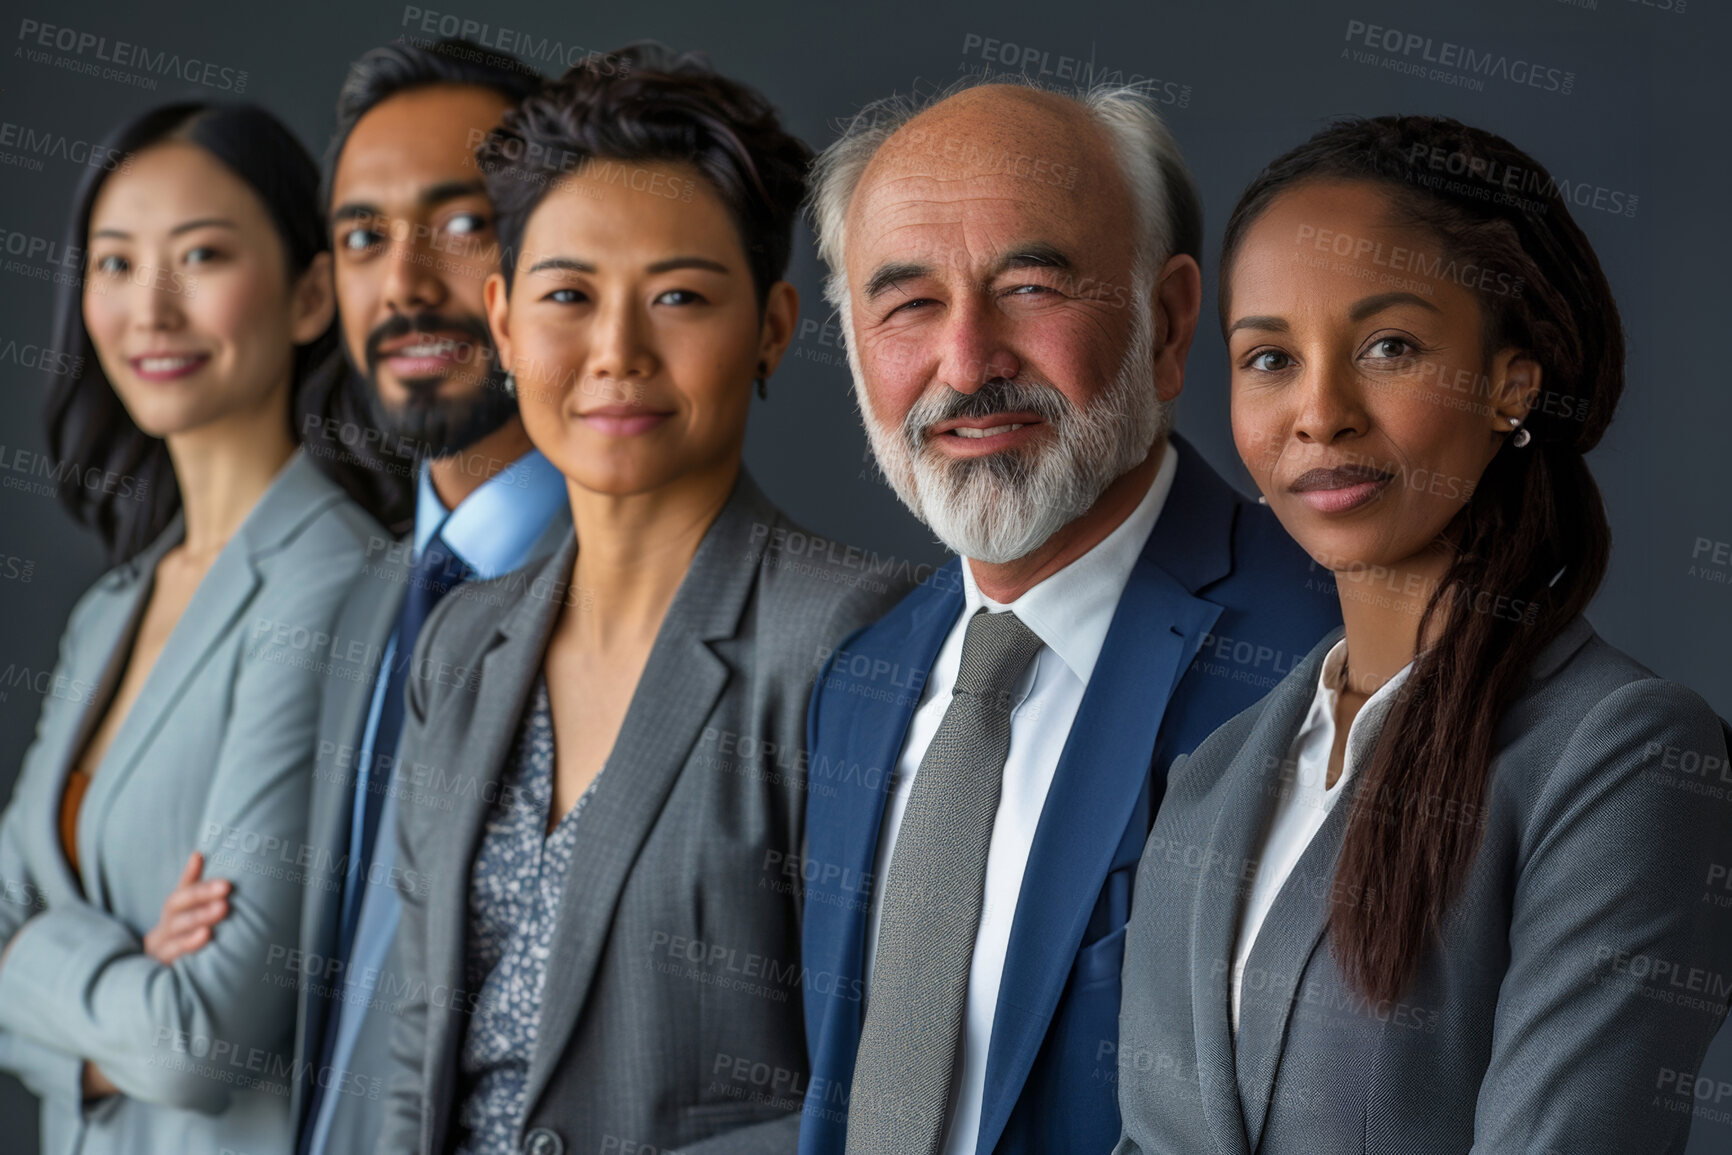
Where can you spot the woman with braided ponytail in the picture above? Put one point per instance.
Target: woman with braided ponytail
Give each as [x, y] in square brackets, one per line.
[1446, 887]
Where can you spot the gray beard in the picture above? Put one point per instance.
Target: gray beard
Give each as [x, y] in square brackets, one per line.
[1006, 505]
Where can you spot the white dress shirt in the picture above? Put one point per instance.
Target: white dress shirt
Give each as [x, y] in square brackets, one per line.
[1306, 799]
[1071, 612]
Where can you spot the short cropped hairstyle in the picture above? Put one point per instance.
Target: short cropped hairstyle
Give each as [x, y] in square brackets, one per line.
[1169, 214]
[647, 104]
[389, 69]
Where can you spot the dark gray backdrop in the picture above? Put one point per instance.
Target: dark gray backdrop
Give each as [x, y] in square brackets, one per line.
[1630, 109]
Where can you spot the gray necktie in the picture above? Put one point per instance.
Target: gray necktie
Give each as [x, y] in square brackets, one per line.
[900, 1098]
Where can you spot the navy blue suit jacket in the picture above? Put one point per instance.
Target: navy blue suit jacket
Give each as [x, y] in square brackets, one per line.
[1220, 605]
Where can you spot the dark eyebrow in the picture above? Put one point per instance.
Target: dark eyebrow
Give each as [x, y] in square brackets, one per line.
[562, 265]
[353, 211]
[573, 265]
[673, 263]
[889, 276]
[1361, 310]
[1373, 305]
[1265, 324]
[186, 227]
[450, 190]
[202, 223]
[431, 196]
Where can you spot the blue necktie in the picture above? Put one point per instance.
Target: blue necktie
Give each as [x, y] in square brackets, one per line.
[437, 572]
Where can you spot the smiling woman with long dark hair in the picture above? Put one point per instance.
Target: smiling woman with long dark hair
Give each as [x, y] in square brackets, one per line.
[118, 479]
[1422, 896]
[181, 726]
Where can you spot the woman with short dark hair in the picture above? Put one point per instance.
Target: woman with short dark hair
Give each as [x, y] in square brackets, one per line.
[606, 918]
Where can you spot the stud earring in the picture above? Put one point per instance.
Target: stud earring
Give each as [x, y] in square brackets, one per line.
[509, 384]
[1261, 500]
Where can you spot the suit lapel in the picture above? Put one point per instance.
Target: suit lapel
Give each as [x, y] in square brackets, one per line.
[1235, 841]
[509, 669]
[103, 646]
[295, 496]
[369, 618]
[221, 596]
[1291, 932]
[675, 695]
[1156, 630]
[1298, 920]
[851, 818]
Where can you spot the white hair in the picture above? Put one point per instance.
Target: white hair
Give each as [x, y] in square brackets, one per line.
[1163, 196]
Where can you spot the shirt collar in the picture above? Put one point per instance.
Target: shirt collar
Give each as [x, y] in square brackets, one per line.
[1071, 611]
[494, 528]
[1332, 677]
[1369, 720]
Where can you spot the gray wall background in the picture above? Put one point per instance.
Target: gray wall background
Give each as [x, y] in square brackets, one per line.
[1644, 118]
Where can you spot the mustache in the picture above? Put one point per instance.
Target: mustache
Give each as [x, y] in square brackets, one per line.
[999, 395]
[473, 329]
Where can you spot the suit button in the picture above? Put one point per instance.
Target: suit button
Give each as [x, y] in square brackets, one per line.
[541, 1141]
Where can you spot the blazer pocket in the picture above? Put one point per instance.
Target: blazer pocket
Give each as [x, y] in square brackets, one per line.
[707, 1120]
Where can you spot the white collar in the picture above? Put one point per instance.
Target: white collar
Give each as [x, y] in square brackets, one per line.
[1071, 610]
[1368, 721]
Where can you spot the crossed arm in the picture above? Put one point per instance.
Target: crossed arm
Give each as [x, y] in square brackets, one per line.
[77, 983]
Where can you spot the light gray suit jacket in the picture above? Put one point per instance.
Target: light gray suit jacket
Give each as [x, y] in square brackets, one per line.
[1582, 970]
[356, 654]
[672, 1011]
[214, 755]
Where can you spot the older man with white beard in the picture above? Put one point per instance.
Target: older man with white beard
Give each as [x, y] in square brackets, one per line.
[1016, 272]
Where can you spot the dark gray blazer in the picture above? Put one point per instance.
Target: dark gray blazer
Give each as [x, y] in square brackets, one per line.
[672, 1011]
[1581, 974]
[215, 755]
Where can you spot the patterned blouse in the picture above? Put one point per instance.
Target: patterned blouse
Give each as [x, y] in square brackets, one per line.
[514, 894]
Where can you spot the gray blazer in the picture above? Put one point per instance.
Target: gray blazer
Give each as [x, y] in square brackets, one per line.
[1581, 974]
[355, 658]
[214, 755]
[672, 1012]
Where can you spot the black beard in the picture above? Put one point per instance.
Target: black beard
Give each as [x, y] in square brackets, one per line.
[438, 426]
